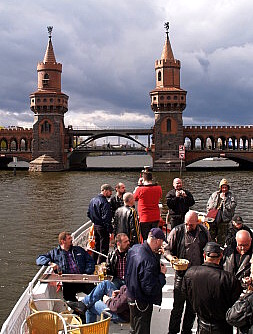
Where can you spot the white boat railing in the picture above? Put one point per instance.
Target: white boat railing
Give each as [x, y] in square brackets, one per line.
[21, 310]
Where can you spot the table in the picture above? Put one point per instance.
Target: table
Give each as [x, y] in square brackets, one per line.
[72, 278]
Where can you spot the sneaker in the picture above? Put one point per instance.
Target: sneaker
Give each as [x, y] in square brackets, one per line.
[78, 307]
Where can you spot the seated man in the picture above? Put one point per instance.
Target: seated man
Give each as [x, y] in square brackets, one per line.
[126, 220]
[92, 304]
[236, 259]
[69, 259]
[235, 226]
[116, 261]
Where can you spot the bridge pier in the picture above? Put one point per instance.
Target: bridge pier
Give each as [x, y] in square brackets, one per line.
[77, 160]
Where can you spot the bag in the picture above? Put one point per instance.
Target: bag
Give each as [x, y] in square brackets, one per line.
[212, 213]
[216, 215]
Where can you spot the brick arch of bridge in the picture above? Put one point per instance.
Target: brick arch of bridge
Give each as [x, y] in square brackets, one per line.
[220, 137]
[107, 134]
[16, 140]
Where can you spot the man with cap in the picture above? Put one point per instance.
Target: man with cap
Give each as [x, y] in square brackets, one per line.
[145, 277]
[100, 214]
[234, 226]
[225, 203]
[185, 241]
[211, 291]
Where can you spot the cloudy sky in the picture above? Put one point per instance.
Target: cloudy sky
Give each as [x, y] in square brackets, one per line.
[108, 49]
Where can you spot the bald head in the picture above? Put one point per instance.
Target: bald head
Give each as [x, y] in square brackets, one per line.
[177, 184]
[243, 241]
[191, 220]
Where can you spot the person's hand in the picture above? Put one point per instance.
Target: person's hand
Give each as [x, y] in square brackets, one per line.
[115, 293]
[178, 193]
[247, 280]
[183, 193]
[173, 259]
[54, 266]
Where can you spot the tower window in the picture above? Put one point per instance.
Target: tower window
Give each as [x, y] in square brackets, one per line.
[168, 97]
[159, 76]
[182, 97]
[162, 97]
[45, 80]
[51, 100]
[168, 125]
[46, 127]
[44, 100]
[175, 97]
[154, 98]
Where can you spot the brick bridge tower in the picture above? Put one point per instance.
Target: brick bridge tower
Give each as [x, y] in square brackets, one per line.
[49, 105]
[168, 101]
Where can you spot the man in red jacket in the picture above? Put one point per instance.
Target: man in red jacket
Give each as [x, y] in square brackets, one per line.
[148, 196]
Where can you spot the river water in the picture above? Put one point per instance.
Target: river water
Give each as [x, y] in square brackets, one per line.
[35, 207]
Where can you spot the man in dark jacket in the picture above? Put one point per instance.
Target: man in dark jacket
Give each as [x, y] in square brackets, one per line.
[185, 241]
[100, 214]
[103, 296]
[240, 314]
[116, 261]
[69, 259]
[211, 291]
[178, 201]
[236, 259]
[235, 226]
[117, 201]
[145, 277]
[126, 220]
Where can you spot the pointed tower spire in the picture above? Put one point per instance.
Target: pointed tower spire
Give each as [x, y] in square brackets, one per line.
[167, 53]
[49, 55]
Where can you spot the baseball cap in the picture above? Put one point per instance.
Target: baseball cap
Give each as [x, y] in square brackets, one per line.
[157, 233]
[212, 249]
[106, 187]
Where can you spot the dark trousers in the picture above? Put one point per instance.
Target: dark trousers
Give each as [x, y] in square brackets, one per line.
[102, 240]
[177, 311]
[176, 220]
[140, 317]
[71, 289]
[146, 227]
[205, 327]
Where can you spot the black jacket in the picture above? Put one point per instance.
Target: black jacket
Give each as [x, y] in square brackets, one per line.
[126, 222]
[143, 277]
[230, 238]
[228, 262]
[241, 314]
[179, 205]
[211, 291]
[111, 262]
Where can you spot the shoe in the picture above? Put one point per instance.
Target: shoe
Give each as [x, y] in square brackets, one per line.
[78, 307]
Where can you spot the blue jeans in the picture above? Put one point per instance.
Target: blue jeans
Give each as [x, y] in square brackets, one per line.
[94, 303]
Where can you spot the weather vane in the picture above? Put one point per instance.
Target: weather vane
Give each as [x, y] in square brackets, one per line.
[167, 26]
[49, 29]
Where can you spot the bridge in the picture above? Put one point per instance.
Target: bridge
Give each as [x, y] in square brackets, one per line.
[232, 142]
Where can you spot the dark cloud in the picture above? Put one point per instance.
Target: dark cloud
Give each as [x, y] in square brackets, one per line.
[108, 49]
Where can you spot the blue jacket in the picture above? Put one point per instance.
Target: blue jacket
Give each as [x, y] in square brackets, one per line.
[83, 260]
[100, 212]
[143, 277]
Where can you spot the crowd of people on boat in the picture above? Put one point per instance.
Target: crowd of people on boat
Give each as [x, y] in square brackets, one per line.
[218, 254]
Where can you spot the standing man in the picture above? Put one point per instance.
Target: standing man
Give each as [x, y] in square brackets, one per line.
[117, 200]
[179, 202]
[211, 291]
[145, 277]
[100, 214]
[185, 241]
[148, 196]
[69, 259]
[225, 203]
[126, 220]
[235, 226]
[236, 259]
[116, 261]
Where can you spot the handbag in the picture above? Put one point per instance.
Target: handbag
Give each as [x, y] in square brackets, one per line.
[212, 213]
